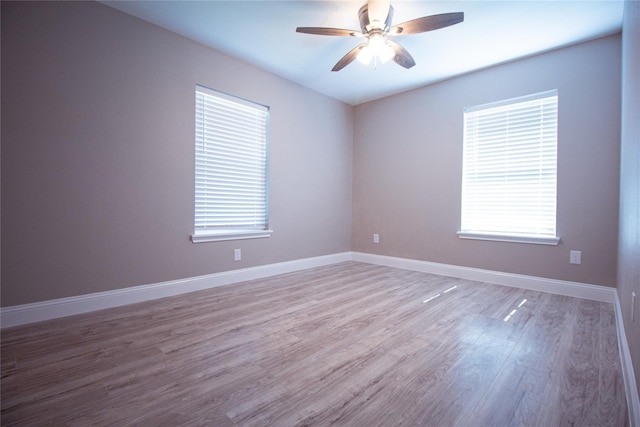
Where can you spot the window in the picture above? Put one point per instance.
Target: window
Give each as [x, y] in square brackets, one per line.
[231, 190]
[509, 170]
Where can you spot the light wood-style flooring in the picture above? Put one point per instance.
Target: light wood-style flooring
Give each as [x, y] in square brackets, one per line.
[349, 344]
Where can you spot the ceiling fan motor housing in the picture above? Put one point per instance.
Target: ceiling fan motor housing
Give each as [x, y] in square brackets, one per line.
[365, 24]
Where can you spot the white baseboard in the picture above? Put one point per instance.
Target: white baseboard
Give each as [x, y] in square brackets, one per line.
[631, 389]
[52, 309]
[553, 286]
[46, 310]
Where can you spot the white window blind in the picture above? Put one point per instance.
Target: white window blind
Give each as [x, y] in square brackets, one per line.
[231, 186]
[509, 170]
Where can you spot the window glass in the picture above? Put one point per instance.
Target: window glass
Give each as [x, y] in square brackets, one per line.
[510, 169]
[231, 167]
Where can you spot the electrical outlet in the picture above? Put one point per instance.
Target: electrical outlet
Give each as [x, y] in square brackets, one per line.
[237, 254]
[376, 238]
[575, 257]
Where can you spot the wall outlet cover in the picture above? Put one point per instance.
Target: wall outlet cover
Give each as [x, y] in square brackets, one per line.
[575, 257]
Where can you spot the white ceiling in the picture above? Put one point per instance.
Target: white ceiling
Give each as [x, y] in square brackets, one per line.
[263, 33]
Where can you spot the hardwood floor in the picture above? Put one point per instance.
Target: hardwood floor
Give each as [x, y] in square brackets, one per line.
[348, 344]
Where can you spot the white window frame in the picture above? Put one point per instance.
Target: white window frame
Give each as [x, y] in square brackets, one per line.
[231, 168]
[493, 185]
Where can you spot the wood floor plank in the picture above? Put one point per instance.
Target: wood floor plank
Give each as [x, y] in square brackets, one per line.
[346, 344]
[522, 385]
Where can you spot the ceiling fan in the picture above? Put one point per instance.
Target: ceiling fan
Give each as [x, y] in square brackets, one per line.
[375, 23]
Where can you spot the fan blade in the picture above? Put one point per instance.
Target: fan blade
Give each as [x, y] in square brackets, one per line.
[378, 11]
[328, 31]
[348, 58]
[402, 57]
[427, 23]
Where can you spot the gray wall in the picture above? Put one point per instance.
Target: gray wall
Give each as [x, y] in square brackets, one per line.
[408, 166]
[629, 240]
[97, 159]
[98, 155]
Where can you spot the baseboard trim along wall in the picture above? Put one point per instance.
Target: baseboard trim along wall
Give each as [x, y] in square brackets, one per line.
[52, 309]
[553, 286]
[630, 385]
[46, 310]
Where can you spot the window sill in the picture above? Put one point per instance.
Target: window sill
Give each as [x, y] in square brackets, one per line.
[218, 236]
[551, 241]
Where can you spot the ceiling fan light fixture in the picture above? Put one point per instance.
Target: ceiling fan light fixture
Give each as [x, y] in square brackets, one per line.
[376, 42]
[378, 48]
[385, 53]
[365, 55]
